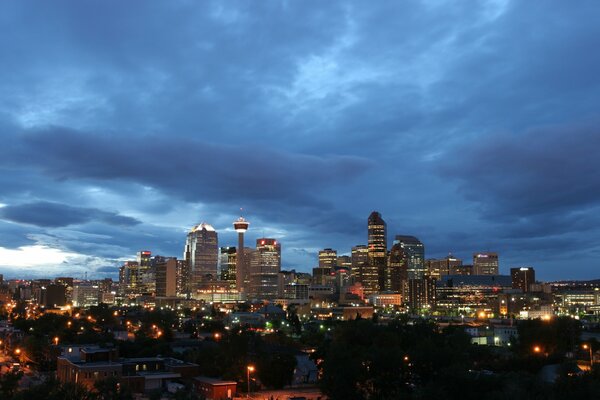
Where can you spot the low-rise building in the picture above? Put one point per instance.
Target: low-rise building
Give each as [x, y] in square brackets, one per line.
[214, 389]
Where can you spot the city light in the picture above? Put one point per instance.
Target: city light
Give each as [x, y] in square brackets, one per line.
[249, 369]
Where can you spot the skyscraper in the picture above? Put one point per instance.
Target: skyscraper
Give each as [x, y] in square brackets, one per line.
[201, 253]
[485, 263]
[416, 286]
[376, 275]
[265, 265]
[146, 280]
[522, 278]
[241, 263]
[327, 258]
[228, 263]
[415, 255]
[325, 272]
[445, 266]
[359, 260]
[166, 277]
[397, 267]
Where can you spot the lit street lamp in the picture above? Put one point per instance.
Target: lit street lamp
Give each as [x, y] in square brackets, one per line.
[249, 369]
[589, 347]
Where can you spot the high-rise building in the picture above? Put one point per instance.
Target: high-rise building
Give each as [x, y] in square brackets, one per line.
[137, 277]
[522, 278]
[397, 267]
[201, 253]
[227, 264]
[183, 278]
[485, 263]
[445, 266]
[265, 265]
[414, 252]
[166, 277]
[359, 259]
[376, 277]
[85, 295]
[409, 263]
[328, 258]
[241, 263]
[421, 294]
[345, 261]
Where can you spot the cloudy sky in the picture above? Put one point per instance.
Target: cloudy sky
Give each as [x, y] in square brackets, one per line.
[472, 125]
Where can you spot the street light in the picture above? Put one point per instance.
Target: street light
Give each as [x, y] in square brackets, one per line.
[589, 347]
[249, 369]
[56, 340]
[537, 349]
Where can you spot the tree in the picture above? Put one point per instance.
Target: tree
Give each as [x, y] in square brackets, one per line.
[9, 383]
[111, 389]
[276, 370]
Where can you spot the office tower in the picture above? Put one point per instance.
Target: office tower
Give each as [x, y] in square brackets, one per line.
[285, 278]
[376, 275]
[327, 258]
[359, 259]
[397, 267]
[137, 277]
[67, 282]
[166, 277]
[50, 296]
[201, 253]
[85, 295]
[265, 265]
[485, 263]
[324, 274]
[462, 270]
[421, 294]
[522, 278]
[145, 273]
[417, 286]
[183, 278]
[345, 261]
[445, 266]
[227, 263]
[241, 263]
[130, 276]
[414, 251]
[105, 285]
[320, 275]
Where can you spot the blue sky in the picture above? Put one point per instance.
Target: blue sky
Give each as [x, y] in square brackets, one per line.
[472, 125]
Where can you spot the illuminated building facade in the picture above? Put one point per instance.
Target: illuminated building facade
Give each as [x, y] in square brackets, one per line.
[414, 253]
[146, 281]
[375, 276]
[446, 266]
[397, 267]
[485, 263]
[359, 260]
[522, 278]
[328, 258]
[166, 277]
[201, 253]
[265, 264]
[227, 264]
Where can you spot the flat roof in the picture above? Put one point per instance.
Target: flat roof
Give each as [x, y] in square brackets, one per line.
[213, 381]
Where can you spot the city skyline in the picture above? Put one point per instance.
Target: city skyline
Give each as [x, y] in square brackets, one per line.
[468, 126]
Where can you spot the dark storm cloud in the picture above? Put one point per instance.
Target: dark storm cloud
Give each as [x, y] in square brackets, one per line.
[537, 183]
[191, 169]
[174, 108]
[46, 214]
